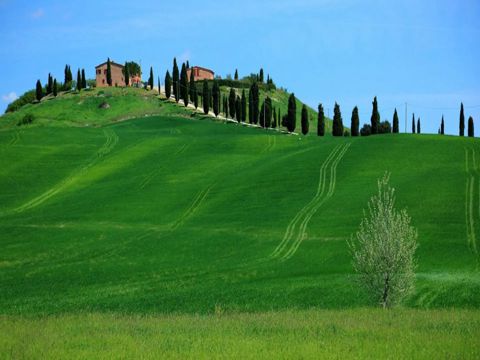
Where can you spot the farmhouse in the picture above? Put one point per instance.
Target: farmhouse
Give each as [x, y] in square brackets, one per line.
[200, 73]
[118, 77]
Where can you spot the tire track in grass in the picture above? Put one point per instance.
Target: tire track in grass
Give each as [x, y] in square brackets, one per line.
[15, 138]
[197, 202]
[472, 174]
[302, 233]
[111, 140]
[291, 231]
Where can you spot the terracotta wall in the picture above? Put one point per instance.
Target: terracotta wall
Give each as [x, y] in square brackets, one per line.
[117, 75]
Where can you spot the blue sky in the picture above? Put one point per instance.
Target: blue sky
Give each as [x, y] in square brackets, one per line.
[423, 53]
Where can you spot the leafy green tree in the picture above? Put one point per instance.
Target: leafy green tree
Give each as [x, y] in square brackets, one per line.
[292, 113]
[337, 129]
[192, 86]
[462, 121]
[244, 106]
[175, 82]
[321, 121]
[236, 74]
[126, 73]
[418, 126]
[168, 85]
[216, 97]
[471, 131]
[79, 80]
[413, 123]
[383, 249]
[55, 87]
[109, 72]
[304, 120]
[395, 122]
[184, 85]
[206, 97]
[375, 118]
[442, 127]
[231, 103]
[38, 90]
[355, 125]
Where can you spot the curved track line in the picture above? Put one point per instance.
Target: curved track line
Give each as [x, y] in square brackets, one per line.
[197, 201]
[320, 189]
[303, 226]
[110, 142]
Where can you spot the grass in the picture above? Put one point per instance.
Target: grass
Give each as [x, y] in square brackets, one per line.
[172, 218]
[312, 334]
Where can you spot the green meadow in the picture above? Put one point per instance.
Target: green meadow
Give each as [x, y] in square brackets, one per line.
[190, 237]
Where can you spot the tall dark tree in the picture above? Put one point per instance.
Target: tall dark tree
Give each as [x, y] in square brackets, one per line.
[266, 113]
[236, 74]
[292, 113]
[159, 85]
[471, 131]
[238, 109]
[150, 79]
[168, 85]
[216, 97]
[321, 121]
[206, 97]
[462, 121]
[79, 80]
[304, 120]
[84, 80]
[337, 129]
[395, 123]
[188, 65]
[260, 76]
[175, 81]
[109, 72]
[67, 84]
[38, 90]
[231, 103]
[250, 106]
[442, 127]
[192, 86]
[355, 124]
[274, 118]
[126, 71]
[184, 85]
[65, 79]
[418, 127]
[413, 123]
[195, 97]
[49, 84]
[244, 106]
[255, 101]
[375, 118]
[55, 87]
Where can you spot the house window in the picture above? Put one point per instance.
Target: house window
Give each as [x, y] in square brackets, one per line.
[105, 71]
[103, 81]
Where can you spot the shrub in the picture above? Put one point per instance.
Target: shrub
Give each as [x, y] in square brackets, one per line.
[366, 130]
[27, 119]
[27, 98]
[384, 127]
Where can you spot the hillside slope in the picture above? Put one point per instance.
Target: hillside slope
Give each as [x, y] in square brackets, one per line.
[172, 213]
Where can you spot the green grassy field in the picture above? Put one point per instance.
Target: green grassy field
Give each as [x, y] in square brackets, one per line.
[184, 215]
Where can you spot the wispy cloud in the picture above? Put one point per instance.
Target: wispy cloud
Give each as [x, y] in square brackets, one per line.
[37, 14]
[184, 56]
[12, 96]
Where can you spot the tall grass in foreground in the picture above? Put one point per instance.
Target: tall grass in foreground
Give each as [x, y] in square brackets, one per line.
[344, 334]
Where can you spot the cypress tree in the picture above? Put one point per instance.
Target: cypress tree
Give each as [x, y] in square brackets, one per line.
[216, 97]
[418, 126]
[250, 106]
[38, 90]
[413, 123]
[375, 119]
[266, 113]
[127, 74]
[395, 122]
[109, 73]
[321, 121]
[79, 80]
[231, 103]
[225, 106]
[304, 120]
[159, 85]
[49, 84]
[292, 113]
[184, 85]
[337, 129]
[84, 80]
[236, 74]
[238, 109]
[442, 127]
[188, 65]
[195, 97]
[65, 79]
[462, 121]
[355, 125]
[260, 76]
[168, 85]
[175, 76]
[55, 87]
[244, 106]
[206, 97]
[471, 131]
[274, 118]
[192, 86]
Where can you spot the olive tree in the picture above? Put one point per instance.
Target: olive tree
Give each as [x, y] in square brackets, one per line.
[383, 248]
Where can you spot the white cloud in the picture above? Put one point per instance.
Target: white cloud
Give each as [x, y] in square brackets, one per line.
[9, 97]
[184, 56]
[37, 14]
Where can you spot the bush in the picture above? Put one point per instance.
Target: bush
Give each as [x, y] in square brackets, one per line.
[346, 133]
[27, 119]
[366, 130]
[385, 127]
[27, 98]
